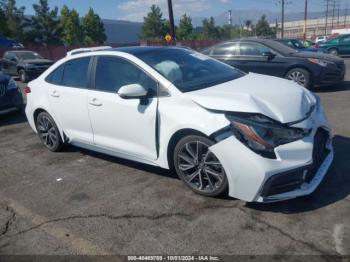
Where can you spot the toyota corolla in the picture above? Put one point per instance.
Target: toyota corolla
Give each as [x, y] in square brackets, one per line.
[256, 137]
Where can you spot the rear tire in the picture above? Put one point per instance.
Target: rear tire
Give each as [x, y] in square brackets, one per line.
[300, 76]
[48, 132]
[23, 76]
[333, 51]
[198, 167]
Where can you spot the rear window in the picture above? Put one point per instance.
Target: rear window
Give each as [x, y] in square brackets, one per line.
[75, 72]
[55, 77]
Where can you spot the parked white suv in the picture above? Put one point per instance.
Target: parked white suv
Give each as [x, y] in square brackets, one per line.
[260, 138]
[321, 39]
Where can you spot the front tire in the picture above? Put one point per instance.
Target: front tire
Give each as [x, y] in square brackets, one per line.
[300, 76]
[48, 132]
[333, 51]
[198, 167]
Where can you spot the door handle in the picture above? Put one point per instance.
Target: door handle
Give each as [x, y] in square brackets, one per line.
[55, 94]
[95, 102]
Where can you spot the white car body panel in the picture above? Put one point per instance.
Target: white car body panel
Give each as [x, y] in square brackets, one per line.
[123, 124]
[248, 94]
[106, 123]
[69, 104]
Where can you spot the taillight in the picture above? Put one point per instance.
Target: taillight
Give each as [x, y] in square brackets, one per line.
[27, 90]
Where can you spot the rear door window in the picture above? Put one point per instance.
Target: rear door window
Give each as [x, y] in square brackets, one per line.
[75, 73]
[225, 49]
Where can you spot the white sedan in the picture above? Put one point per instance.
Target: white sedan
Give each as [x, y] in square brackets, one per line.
[255, 137]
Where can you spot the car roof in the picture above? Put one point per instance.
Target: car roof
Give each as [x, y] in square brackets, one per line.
[136, 50]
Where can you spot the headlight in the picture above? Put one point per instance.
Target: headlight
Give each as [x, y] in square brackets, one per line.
[11, 84]
[319, 62]
[262, 134]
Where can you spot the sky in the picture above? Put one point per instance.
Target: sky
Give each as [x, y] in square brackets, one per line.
[135, 10]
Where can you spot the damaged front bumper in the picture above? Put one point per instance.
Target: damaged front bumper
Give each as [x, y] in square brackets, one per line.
[298, 169]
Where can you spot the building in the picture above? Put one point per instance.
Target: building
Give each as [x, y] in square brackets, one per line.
[118, 31]
[315, 27]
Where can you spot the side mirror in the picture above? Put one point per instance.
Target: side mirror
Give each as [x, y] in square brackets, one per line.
[268, 55]
[132, 91]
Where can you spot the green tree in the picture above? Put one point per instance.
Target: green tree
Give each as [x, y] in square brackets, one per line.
[210, 30]
[263, 28]
[185, 29]
[4, 29]
[248, 24]
[44, 25]
[93, 28]
[13, 19]
[70, 26]
[153, 25]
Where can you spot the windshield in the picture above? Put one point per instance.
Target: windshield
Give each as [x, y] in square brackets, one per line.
[189, 70]
[28, 55]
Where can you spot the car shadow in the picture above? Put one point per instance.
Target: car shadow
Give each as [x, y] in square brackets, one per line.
[343, 86]
[12, 118]
[121, 161]
[334, 187]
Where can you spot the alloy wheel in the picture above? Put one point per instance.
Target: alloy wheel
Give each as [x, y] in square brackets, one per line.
[298, 77]
[47, 132]
[199, 167]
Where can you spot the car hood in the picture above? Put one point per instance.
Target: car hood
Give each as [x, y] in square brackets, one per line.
[277, 98]
[319, 55]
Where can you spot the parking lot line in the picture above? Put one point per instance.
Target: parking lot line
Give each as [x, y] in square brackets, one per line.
[82, 246]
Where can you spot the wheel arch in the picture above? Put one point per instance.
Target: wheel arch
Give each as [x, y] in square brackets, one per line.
[312, 75]
[38, 110]
[301, 67]
[176, 137]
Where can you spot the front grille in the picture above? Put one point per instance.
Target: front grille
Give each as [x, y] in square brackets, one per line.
[2, 89]
[292, 180]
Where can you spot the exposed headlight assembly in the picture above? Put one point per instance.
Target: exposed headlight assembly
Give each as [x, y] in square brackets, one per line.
[262, 134]
[11, 84]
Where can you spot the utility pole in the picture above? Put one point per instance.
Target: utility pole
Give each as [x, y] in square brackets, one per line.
[325, 29]
[282, 22]
[333, 13]
[346, 12]
[171, 19]
[338, 14]
[305, 19]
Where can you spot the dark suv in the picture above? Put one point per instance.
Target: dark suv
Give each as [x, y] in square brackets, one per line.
[25, 64]
[265, 56]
